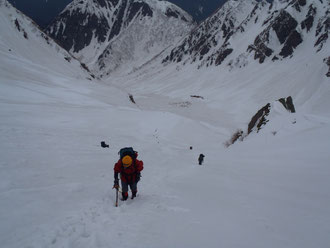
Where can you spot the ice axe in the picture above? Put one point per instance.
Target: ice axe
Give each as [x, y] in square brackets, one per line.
[117, 189]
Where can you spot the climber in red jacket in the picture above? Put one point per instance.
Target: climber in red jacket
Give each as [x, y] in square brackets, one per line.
[129, 168]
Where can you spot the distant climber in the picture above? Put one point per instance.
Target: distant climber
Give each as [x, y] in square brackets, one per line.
[129, 168]
[201, 159]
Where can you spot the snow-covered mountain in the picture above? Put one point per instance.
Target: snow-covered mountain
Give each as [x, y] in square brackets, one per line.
[242, 30]
[43, 12]
[108, 34]
[18, 32]
[270, 190]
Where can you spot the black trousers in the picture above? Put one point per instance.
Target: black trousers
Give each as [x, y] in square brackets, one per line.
[124, 186]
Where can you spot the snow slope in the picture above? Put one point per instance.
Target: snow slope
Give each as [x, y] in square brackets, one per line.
[271, 190]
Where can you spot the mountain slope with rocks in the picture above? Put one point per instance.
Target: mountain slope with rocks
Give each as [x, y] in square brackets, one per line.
[16, 25]
[112, 34]
[242, 30]
[43, 12]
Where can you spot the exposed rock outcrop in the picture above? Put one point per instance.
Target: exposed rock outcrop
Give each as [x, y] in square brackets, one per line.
[288, 104]
[327, 61]
[260, 119]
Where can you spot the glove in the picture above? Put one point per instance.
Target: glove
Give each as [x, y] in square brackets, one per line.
[116, 184]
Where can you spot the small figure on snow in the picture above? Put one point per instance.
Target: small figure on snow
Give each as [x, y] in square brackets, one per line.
[201, 159]
[104, 145]
[129, 168]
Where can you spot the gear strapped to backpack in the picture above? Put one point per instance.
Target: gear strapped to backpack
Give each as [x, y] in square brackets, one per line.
[127, 151]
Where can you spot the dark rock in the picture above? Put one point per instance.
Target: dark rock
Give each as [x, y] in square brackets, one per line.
[261, 52]
[271, 6]
[171, 13]
[238, 135]
[223, 55]
[275, 58]
[84, 66]
[226, 29]
[205, 49]
[288, 104]
[323, 25]
[322, 31]
[195, 96]
[175, 14]
[17, 25]
[271, 17]
[19, 28]
[308, 22]
[259, 119]
[283, 25]
[260, 48]
[79, 29]
[291, 43]
[199, 42]
[298, 3]
[327, 61]
[138, 7]
[321, 40]
[115, 29]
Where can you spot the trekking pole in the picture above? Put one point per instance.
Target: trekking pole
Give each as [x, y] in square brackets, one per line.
[116, 197]
[117, 189]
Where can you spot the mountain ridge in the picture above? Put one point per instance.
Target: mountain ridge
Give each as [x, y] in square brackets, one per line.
[43, 12]
[89, 29]
[212, 45]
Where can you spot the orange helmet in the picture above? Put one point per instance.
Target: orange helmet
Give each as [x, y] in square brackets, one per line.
[127, 161]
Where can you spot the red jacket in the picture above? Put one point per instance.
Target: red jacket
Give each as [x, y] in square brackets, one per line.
[128, 175]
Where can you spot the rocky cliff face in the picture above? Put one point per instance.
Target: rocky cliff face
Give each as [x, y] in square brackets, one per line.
[209, 41]
[259, 30]
[106, 34]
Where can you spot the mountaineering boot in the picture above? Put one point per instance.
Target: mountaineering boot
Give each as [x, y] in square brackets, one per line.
[134, 194]
[125, 196]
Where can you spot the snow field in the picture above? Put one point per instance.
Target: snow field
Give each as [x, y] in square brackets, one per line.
[56, 181]
[271, 190]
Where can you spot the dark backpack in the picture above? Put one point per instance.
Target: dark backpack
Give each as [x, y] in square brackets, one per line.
[127, 151]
